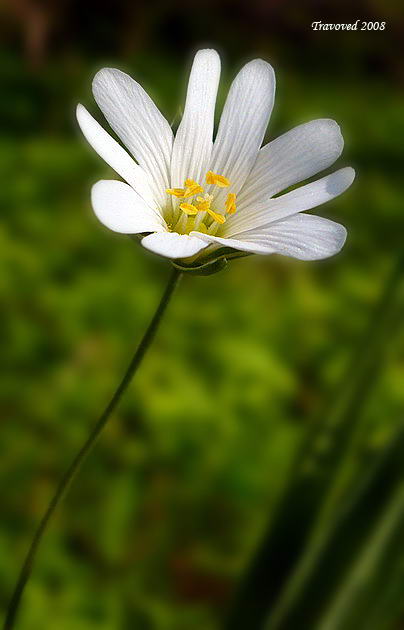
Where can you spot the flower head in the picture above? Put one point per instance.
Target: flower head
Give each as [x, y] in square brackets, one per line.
[187, 195]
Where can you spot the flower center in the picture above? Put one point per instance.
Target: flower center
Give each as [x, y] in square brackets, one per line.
[197, 213]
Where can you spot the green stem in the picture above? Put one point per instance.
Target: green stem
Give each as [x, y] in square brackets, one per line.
[85, 449]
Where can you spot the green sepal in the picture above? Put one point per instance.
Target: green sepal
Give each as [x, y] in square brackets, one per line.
[211, 264]
[203, 266]
[206, 269]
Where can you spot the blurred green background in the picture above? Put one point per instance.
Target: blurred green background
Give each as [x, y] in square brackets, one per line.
[272, 398]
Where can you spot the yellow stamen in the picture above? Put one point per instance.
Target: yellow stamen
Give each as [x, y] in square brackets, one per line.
[204, 202]
[216, 216]
[177, 192]
[190, 225]
[206, 197]
[231, 203]
[202, 228]
[203, 205]
[189, 209]
[191, 182]
[217, 180]
[192, 188]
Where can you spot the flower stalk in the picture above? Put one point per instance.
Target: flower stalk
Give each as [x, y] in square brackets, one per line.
[74, 467]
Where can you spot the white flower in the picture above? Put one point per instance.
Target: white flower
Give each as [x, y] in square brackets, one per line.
[189, 195]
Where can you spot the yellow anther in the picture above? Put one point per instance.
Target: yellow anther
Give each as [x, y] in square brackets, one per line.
[177, 192]
[203, 205]
[189, 183]
[204, 202]
[206, 197]
[189, 209]
[217, 180]
[192, 188]
[231, 203]
[216, 216]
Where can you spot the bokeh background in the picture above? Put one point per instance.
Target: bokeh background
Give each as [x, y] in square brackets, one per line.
[270, 405]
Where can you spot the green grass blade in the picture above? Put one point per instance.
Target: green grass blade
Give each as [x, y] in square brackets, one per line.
[329, 554]
[352, 598]
[316, 468]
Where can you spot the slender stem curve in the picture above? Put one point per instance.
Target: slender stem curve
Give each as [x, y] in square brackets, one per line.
[74, 467]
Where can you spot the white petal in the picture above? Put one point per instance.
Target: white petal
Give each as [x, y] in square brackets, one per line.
[293, 157]
[234, 243]
[243, 123]
[303, 236]
[121, 209]
[139, 124]
[114, 155]
[173, 245]
[298, 200]
[193, 141]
